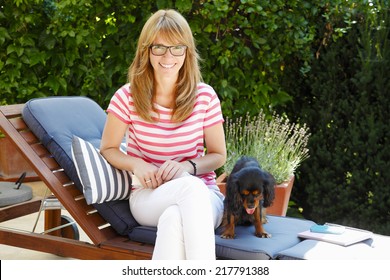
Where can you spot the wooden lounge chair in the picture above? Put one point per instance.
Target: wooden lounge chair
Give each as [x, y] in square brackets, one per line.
[107, 243]
[113, 232]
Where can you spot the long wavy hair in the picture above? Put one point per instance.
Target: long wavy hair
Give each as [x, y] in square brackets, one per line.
[173, 27]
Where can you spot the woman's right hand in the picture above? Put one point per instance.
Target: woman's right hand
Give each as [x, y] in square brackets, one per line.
[146, 174]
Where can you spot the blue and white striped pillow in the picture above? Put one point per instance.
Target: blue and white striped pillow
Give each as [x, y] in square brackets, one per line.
[101, 181]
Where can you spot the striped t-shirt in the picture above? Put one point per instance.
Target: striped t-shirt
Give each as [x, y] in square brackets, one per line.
[166, 140]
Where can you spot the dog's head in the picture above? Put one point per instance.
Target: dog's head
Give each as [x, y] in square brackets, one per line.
[250, 186]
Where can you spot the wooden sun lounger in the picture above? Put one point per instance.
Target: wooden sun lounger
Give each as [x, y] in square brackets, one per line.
[106, 242]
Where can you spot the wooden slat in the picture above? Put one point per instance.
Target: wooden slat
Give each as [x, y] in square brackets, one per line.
[11, 111]
[82, 204]
[51, 163]
[29, 137]
[62, 177]
[18, 123]
[40, 150]
[75, 192]
[97, 220]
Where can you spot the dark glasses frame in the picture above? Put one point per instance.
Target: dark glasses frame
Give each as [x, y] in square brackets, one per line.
[182, 48]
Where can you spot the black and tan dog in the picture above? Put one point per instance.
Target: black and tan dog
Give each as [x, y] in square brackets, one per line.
[249, 190]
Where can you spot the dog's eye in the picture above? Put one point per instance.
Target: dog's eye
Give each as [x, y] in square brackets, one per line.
[256, 193]
[245, 192]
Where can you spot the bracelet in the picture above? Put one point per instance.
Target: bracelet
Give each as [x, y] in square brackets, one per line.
[193, 165]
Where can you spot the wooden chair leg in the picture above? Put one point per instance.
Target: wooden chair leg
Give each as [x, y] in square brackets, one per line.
[52, 220]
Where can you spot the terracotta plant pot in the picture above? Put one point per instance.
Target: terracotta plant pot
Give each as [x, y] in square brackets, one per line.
[12, 164]
[282, 195]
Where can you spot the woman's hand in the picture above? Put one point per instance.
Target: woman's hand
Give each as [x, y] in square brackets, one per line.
[171, 170]
[147, 174]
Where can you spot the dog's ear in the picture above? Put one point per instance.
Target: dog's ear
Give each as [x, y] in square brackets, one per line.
[233, 195]
[268, 189]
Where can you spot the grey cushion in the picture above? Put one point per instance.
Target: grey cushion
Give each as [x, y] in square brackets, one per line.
[246, 246]
[55, 120]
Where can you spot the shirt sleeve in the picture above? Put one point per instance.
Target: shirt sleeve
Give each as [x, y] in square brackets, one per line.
[120, 104]
[213, 114]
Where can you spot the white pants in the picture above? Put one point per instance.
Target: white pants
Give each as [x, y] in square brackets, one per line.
[186, 212]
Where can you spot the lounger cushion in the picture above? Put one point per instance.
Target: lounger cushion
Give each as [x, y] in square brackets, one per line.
[55, 120]
[101, 181]
[246, 246]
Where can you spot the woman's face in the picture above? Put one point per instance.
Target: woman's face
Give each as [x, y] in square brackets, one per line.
[167, 65]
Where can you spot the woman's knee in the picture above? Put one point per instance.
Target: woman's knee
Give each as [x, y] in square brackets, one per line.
[194, 186]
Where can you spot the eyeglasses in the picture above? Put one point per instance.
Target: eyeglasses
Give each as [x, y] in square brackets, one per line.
[160, 50]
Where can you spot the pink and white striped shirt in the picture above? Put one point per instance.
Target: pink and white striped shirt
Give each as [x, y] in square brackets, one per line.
[167, 140]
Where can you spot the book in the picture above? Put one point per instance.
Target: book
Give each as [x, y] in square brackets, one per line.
[348, 237]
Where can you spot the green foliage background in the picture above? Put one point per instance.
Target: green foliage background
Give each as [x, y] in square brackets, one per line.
[347, 105]
[321, 62]
[84, 47]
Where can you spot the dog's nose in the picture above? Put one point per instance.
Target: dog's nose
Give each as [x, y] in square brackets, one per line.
[251, 204]
[251, 199]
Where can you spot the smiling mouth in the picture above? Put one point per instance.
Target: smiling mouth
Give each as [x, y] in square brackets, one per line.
[167, 66]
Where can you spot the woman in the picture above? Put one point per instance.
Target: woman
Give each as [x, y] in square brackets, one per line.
[167, 114]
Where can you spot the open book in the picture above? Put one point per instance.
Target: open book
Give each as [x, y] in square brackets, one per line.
[348, 237]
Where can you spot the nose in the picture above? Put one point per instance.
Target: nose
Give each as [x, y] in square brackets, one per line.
[250, 201]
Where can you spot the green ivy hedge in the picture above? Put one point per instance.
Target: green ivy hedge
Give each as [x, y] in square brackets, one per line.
[84, 47]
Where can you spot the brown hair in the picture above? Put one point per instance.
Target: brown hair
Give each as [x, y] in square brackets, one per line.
[171, 25]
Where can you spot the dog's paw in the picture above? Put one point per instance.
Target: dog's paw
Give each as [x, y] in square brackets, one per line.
[227, 236]
[263, 234]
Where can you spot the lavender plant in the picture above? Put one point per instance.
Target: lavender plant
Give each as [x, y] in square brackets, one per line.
[278, 144]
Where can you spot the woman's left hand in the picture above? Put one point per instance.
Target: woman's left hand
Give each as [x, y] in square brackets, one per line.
[170, 170]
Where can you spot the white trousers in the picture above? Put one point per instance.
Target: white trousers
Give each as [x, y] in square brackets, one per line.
[186, 212]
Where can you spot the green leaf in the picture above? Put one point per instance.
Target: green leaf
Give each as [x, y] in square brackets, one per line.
[11, 60]
[11, 49]
[63, 83]
[4, 35]
[53, 83]
[49, 42]
[36, 58]
[164, 4]
[14, 74]
[27, 41]
[183, 5]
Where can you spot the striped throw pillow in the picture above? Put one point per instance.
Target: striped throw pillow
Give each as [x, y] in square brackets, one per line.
[101, 181]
